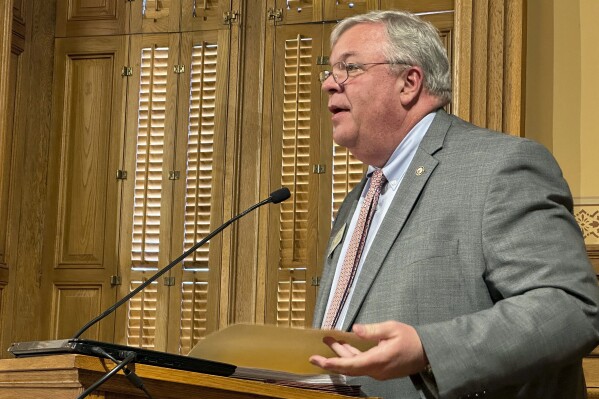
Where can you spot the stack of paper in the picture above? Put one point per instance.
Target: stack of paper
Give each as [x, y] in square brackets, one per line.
[322, 382]
[278, 355]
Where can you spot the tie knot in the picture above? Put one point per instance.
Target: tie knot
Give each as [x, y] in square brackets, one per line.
[378, 179]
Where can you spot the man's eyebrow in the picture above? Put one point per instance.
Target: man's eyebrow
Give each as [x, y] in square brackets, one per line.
[344, 56]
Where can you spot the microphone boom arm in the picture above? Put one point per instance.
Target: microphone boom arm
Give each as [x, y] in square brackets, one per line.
[275, 197]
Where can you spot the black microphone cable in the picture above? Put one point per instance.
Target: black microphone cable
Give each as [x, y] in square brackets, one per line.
[130, 374]
[120, 365]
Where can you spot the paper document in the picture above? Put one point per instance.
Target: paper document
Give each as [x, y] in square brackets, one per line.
[272, 348]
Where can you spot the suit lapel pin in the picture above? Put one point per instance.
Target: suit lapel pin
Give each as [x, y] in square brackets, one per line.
[419, 171]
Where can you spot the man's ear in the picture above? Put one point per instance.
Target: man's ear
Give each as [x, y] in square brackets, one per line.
[413, 79]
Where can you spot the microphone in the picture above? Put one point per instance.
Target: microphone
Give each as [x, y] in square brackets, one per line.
[280, 195]
[275, 197]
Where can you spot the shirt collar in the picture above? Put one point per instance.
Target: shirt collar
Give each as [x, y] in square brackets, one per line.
[398, 163]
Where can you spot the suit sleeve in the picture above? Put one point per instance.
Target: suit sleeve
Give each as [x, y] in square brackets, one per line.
[545, 293]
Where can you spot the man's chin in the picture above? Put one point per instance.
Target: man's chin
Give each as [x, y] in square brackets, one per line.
[343, 138]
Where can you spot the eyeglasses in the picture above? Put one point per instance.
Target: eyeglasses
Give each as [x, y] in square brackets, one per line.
[342, 71]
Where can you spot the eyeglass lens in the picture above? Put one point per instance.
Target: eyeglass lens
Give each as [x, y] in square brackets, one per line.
[339, 72]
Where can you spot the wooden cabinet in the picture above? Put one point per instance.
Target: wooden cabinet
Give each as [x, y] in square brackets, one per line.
[138, 166]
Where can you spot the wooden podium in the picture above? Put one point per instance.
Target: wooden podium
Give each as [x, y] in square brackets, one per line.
[67, 376]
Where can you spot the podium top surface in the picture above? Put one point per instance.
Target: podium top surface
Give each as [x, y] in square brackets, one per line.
[65, 376]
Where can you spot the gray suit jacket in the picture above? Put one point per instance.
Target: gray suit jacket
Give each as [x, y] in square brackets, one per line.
[480, 253]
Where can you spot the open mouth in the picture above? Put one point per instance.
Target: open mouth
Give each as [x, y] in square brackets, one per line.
[333, 109]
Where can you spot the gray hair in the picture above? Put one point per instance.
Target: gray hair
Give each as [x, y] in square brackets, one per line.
[411, 41]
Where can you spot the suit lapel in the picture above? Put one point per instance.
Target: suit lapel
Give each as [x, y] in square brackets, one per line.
[405, 199]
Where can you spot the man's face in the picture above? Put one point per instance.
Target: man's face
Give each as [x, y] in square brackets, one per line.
[365, 108]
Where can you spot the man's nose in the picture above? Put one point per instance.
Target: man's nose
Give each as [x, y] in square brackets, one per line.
[329, 85]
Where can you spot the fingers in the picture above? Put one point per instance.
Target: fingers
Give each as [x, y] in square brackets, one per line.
[319, 361]
[341, 348]
[398, 353]
[376, 331]
[338, 365]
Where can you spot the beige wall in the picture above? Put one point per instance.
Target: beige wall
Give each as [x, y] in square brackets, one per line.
[562, 101]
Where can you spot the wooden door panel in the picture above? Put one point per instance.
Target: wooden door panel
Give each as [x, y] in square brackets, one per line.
[80, 255]
[91, 17]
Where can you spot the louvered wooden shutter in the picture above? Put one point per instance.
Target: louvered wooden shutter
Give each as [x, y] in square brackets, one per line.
[150, 158]
[305, 220]
[347, 172]
[150, 203]
[295, 173]
[178, 138]
[199, 182]
[296, 138]
[147, 209]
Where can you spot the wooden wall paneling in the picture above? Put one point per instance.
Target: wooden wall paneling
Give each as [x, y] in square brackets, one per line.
[231, 194]
[479, 70]
[9, 209]
[29, 171]
[462, 75]
[91, 17]
[81, 251]
[495, 65]
[5, 104]
[488, 72]
[514, 87]
[7, 101]
[247, 40]
[10, 189]
[265, 222]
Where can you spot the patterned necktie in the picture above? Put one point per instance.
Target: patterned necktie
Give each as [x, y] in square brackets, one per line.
[354, 250]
